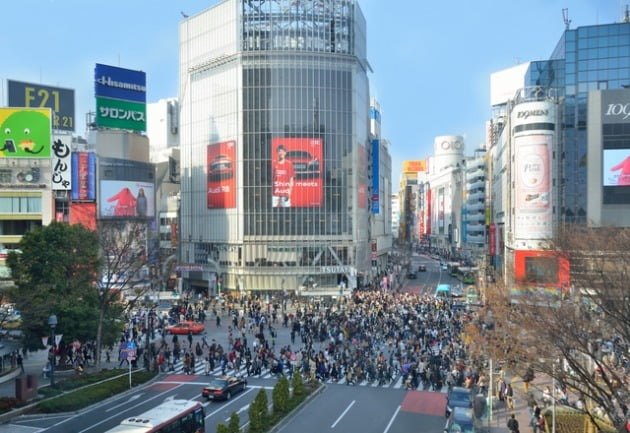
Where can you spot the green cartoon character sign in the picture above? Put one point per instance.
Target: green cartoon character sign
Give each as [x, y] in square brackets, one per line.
[25, 133]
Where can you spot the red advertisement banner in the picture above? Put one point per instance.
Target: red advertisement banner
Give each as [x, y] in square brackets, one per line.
[221, 171]
[361, 179]
[296, 172]
[83, 176]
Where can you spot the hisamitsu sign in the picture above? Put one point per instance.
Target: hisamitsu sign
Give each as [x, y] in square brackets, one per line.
[120, 83]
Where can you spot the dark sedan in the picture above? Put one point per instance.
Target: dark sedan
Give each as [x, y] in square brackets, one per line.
[422, 268]
[458, 397]
[412, 275]
[223, 388]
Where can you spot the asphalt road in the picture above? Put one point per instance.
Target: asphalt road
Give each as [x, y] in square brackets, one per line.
[426, 282]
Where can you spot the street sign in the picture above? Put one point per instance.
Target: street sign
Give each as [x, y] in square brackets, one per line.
[131, 354]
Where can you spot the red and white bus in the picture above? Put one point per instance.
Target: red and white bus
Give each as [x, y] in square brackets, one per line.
[182, 416]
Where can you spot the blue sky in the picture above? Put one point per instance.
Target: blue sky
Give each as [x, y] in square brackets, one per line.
[432, 60]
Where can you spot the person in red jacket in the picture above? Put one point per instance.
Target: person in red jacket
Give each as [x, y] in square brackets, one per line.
[624, 174]
[126, 203]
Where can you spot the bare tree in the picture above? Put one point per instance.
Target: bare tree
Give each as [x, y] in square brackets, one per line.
[124, 278]
[580, 338]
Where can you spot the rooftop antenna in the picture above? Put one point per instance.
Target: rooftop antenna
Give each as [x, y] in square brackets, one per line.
[626, 15]
[565, 18]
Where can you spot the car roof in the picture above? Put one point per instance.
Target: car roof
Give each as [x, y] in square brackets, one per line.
[460, 389]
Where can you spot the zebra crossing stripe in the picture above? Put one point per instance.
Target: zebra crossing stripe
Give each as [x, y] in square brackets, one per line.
[199, 370]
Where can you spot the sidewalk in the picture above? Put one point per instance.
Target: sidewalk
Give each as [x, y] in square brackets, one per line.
[34, 365]
[501, 414]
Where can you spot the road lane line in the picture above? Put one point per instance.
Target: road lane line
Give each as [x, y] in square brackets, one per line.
[343, 414]
[391, 420]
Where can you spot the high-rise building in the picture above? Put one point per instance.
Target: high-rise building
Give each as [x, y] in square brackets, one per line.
[274, 136]
[585, 59]
[555, 142]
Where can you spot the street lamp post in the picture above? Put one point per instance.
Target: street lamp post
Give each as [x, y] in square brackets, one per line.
[52, 322]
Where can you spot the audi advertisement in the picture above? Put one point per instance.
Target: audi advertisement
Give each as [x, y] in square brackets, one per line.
[221, 169]
[296, 169]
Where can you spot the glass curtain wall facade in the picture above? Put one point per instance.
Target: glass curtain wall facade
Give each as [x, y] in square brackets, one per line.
[585, 59]
[275, 110]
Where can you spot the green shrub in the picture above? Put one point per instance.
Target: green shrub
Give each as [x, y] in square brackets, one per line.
[258, 413]
[93, 394]
[234, 425]
[298, 386]
[280, 396]
[222, 428]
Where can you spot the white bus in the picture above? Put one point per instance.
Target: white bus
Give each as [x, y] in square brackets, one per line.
[182, 416]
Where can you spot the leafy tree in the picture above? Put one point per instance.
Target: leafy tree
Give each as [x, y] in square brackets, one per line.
[563, 335]
[280, 395]
[124, 273]
[258, 413]
[222, 428]
[234, 425]
[54, 273]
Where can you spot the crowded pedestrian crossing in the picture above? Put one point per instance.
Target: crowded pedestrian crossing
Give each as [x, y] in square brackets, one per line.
[396, 383]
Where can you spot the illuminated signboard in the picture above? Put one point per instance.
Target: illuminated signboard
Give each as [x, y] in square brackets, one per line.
[114, 113]
[25, 132]
[59, 100]
[120, 83]
[297, 169]
[221, 160]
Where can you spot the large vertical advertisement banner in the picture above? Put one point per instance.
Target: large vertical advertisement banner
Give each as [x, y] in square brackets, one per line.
[533, 210]
[221, 160]
[25, 132]
[296, 170]
[440, 218]
[61, 165]
[83, 176]
[376, 205]
[361, 178]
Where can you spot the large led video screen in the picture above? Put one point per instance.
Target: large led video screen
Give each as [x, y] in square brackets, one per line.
[221, 169]
[126, 199]
[616, 170]
[296, 169]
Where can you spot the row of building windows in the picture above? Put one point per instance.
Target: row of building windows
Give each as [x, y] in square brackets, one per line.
[17, 205]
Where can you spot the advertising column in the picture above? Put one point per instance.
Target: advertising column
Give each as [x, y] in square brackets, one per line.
[533, 137]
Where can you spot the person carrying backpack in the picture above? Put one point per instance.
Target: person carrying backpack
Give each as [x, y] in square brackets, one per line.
[512, 424]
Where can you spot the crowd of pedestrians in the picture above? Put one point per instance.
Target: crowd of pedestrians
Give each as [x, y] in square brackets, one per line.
[374, 335]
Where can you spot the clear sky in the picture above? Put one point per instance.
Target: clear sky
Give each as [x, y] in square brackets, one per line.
[431, 59]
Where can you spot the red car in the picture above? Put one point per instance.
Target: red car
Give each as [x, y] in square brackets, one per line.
[304, 164]
[220, 168]
[184, 327]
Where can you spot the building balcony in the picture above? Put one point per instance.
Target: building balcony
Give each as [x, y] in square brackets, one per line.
[475, 230]
[475, 239]
[475, 197]
[478, 184]
[478, 217]
[478, 170]
[479, 205]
